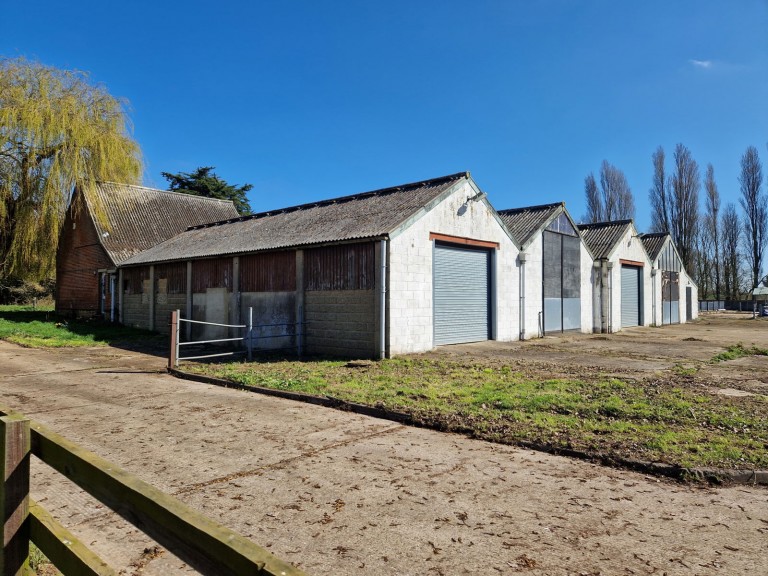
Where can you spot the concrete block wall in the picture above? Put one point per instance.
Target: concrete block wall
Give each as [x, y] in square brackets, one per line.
[135, 311]
[410, 319]
[534, 274]
[276, 312]
[630, 248]
[589, 277]
[164, 305]
[341, 323]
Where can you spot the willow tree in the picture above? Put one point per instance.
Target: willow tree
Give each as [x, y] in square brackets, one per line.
[57, 131]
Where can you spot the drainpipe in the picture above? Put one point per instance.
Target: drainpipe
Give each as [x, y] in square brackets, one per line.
[383, 303]
[609, 266]
[111, 297]
[653, 294]
[522, 257]
[152, 298]
[597, 295]
[120, 285]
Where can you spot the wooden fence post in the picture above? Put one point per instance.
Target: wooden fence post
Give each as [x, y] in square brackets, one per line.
[172, 359]
[14, 495]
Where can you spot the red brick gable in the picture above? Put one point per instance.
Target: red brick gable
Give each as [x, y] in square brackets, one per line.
[79, 257]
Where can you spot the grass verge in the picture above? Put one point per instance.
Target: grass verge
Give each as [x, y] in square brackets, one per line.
[739, 351]
[42, 328]
[665, 420]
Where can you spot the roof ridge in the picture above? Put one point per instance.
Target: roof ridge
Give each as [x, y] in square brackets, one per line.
[159, 191]
[538, 206]
[606, 223]
[337, 200]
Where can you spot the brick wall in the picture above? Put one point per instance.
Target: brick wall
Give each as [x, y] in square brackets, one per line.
[341, 323]
[78, 258]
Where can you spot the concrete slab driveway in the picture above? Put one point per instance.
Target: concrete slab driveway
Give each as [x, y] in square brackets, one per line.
[338, 493]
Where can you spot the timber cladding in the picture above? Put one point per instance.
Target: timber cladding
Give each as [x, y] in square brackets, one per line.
[134, 278]
[212, 273]
[171, 278]
[268, 272]
[342, 267]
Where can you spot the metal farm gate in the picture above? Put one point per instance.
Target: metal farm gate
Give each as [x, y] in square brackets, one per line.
[462, 295]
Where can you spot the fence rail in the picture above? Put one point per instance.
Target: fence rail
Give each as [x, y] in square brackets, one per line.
[207, 546]
[247, 339]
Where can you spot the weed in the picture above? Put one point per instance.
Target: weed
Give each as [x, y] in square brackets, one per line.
[739, 351]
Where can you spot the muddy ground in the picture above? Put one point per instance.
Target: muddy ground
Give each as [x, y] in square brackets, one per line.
[642, 353]
[339, 493]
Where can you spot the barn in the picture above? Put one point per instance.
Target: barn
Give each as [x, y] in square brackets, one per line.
[555, 271]
[622, 291]
[108, 223]
[376, 274]
[674, 295]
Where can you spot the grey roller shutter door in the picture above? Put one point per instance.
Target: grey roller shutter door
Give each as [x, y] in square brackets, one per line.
[630, 296]
[461, 294]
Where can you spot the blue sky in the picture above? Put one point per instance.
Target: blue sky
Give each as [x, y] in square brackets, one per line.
[309, 100]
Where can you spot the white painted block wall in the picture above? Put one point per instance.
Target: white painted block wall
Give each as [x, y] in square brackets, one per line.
[410, 271]
[629, 248]
[534, 272]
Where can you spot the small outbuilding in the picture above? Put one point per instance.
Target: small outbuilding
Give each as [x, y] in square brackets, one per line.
[555, 270]
[109, 223]
[672, 290]
[381, 273]
[622, 294]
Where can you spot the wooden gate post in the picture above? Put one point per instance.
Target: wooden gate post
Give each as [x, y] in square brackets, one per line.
[173, 354]
[14, 495]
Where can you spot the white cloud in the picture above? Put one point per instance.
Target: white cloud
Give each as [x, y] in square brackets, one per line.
[701, 63]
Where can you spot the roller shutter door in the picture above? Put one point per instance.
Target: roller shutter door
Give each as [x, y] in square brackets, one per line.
[630, 295]
[461, 294]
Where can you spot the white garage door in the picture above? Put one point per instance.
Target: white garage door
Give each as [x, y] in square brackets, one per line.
[461, 294]
[630, 295]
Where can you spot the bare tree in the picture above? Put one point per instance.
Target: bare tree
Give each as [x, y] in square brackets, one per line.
[712, 225]
[659, 194]
[594, 203]
[730, 237]
[684, 206]
[753, 203]
[704, 263]
[614, 200]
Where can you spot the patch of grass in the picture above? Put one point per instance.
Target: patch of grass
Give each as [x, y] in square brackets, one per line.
[739, 351]
[42, 328]
[669, 421]
[39, 563]
[685, 370]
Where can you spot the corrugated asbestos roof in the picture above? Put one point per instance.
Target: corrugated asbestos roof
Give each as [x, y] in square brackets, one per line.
[653, 243]
[367, 215]
[139, 218]
[523, 223]
[601, 237]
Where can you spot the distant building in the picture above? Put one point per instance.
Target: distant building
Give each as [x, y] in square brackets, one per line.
[112, 223]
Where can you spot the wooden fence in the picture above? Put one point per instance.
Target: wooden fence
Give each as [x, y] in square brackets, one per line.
[207, 546]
